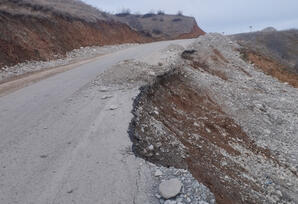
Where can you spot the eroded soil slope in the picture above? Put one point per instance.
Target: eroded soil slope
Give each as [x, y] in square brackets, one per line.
[32, 30]
[274, 52]
[232, 126]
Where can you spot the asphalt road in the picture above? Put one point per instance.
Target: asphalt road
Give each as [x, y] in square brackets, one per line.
[60, 143]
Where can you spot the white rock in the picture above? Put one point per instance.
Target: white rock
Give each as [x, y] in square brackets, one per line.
[151, 147]
[170, 188]
[151, 73]
[203, 202]
[208, 130]
[158, 173]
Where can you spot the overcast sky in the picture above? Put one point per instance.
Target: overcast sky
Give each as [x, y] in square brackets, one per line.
[229, 16]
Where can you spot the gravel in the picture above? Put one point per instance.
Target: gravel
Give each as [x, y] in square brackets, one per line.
[191, 190]
[7, 72]
[264, 108]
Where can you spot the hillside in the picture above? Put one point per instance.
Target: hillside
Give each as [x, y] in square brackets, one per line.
[275, 52]
[47, 29]
[43, 30]
[162, 26]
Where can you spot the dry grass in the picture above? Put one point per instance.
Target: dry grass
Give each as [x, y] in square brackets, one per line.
[271, 67]
[282, 46]
[71, 9]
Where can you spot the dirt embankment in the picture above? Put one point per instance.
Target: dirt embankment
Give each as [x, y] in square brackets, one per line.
[43, 30]
[231, 126]
[30, 37]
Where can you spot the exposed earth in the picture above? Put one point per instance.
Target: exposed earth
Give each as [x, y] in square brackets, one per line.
[205, 116]
[233, 127]
[92, 110]
[33, 30]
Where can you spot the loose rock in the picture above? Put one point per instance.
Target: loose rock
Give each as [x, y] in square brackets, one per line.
[170, 188]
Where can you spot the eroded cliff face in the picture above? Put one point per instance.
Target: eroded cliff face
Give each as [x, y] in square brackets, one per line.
[162, 26]
[25, 38]
[195, 32]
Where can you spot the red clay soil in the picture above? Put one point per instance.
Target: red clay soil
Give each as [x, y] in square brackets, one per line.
[191, 117]
[25, 38]
[194, 33]
[271, 67]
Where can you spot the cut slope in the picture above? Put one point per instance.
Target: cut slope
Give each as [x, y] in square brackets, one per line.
[42, 30]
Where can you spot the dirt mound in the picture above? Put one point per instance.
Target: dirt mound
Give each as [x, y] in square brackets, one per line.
[232, 126]
[162, 26]
[45, 30]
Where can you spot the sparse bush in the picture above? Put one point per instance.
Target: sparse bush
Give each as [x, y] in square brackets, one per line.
[149, 15]
[177, 19]
[156, 31]
[160, 12]
[123, 13]
[146, 33]
[161, 20]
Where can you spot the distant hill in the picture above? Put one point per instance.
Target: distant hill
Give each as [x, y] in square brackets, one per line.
[269, 29]
[162, 26]
[276, 52]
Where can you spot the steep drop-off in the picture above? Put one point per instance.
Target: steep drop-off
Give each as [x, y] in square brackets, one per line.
[233, 127]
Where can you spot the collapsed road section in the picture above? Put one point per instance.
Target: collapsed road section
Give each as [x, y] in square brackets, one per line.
[233, 127]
